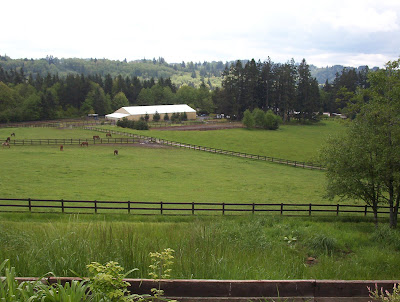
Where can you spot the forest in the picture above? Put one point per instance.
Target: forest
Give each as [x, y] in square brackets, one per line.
[288, 89]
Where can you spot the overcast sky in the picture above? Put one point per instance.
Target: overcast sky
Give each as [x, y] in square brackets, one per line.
[324, 32]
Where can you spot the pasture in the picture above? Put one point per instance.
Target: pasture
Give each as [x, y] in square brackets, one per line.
[215, 247]
[293, 142]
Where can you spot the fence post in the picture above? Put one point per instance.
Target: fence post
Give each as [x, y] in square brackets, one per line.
[129, 206]
[62, 205]
[161, 207]
[337, 210]
[365, 210]
[95, 207]
[223, 208]
[253, 208]
[30, 205]
[309, 210]
[193, 208]
[281, 208]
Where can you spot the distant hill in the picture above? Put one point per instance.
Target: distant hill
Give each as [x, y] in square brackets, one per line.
[189, 73]
[329, 73]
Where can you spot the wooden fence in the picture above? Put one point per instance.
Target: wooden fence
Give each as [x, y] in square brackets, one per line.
[71, 141]
[288, 162]
[180, 208]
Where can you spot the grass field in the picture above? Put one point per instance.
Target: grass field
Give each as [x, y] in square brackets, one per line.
[147, 174]
[294, 142]
[213, 247]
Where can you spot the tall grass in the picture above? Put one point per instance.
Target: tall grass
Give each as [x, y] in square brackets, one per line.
[209, 248]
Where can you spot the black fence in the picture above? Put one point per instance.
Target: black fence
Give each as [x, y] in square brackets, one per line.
[72, 141]
[288, 162]
[180, 208]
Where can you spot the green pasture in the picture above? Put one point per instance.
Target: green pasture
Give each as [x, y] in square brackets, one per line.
[293, 142]
[142, 173]
[260, 247]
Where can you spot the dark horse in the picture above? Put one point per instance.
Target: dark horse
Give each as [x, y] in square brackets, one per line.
[61, 148]
[96, 137]
[115, 152]
[108, 134]
[85, 144]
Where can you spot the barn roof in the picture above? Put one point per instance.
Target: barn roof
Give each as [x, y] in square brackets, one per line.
[116, 115]
[136, 110]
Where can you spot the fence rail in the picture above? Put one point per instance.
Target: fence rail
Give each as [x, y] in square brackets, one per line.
[288, 162]
[179, 208]
[72, 141]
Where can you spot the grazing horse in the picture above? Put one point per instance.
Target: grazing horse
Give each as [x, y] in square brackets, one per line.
[8, 139]
[6, 144]
[12, 134]
[115, 152]
[108, 134]
[61, 148]
[85, 144]
[96, 137]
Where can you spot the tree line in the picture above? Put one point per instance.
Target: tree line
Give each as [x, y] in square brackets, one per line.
[286, 89]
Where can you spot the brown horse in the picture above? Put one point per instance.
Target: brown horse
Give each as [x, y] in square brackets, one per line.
[108, 134]
[61, 148]
[96, 137]
[85, 144]
[12, 134]
[6, 144]
[115, 152]
[8, 139]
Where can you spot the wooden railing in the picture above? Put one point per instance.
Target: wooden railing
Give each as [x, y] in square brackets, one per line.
[179, 208]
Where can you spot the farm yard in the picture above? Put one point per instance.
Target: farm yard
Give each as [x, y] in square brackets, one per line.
[209, 246]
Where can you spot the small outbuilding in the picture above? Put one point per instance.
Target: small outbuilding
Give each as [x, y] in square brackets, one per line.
[136, 112]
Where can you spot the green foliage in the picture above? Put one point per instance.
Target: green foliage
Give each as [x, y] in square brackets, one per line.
[156, 117]
[166, 117]
[106, 281]
[248, 119]
[260, 119]
[138, 125]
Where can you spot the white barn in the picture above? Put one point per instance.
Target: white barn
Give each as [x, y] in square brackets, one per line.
[136, 112]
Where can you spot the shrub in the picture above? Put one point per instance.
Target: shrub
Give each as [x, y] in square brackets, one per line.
[248, 119]
[156, 117]
[166, 117]
[272, 121]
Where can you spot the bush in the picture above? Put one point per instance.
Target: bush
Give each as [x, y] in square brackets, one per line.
[272, 121]
[156, 117]
[166, 117]
[139, 125]
[259, 119]
[248, 119]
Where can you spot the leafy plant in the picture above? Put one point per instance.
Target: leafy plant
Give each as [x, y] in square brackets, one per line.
[160, 269]
[107, 281]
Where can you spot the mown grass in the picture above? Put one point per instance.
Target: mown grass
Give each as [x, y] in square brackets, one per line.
[293, 142]
[151, 174]
[205, 247]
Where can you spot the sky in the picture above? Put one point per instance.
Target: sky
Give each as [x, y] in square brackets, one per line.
[324, 32]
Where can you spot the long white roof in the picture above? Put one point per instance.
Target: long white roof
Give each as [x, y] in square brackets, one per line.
[134, 110]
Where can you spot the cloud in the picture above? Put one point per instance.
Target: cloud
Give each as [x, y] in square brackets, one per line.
[329, 32]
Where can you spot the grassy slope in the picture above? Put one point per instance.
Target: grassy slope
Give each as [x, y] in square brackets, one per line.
[142, 174]
[293, 142]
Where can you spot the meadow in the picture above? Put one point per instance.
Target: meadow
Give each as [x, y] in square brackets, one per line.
[260, 246]
[293, 142]
[143, 173]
